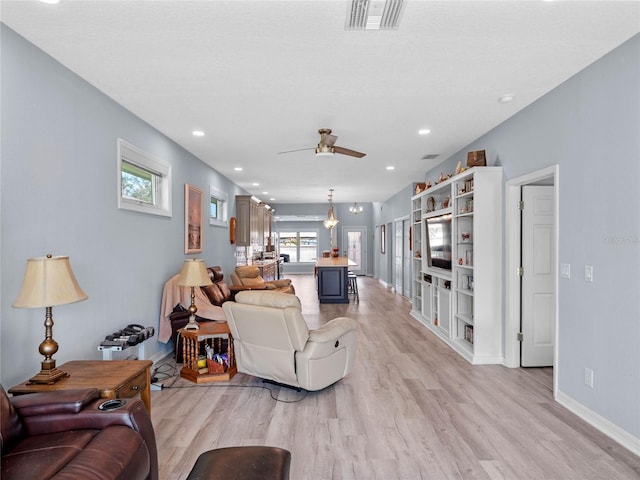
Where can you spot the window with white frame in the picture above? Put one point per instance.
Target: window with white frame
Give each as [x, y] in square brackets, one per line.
[302, 247]
[217, 207]
[144, 182]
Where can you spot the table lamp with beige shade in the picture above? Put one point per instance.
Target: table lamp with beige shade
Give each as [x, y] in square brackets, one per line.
[193, 274]
[48, 281]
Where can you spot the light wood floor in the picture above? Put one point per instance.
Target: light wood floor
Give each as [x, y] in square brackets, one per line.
[411, 409]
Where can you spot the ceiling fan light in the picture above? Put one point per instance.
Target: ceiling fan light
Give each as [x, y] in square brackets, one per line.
[324, 151]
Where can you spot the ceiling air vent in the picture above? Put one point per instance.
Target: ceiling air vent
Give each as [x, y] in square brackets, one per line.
[373, 14]
[430, 156]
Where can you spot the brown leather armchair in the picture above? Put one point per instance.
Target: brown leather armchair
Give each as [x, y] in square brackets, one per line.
[65, 433]
[249, 276]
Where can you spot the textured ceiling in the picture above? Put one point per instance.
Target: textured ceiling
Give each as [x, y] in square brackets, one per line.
[260, 77]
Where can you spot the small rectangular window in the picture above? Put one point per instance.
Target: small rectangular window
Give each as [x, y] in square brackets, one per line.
[214, 208]
[144, 182]
[217, 207]
[138, 184]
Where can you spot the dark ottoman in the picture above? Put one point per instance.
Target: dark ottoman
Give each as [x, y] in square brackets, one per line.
[242, 463]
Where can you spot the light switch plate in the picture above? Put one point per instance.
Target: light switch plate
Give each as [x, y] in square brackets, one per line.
[565, 270]
[588, 273]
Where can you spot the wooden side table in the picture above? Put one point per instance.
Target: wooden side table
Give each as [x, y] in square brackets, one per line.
[114, 379]
[191, 348]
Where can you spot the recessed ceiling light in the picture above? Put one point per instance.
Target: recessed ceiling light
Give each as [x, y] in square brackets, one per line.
[255, 184]
[265, 193]
[238, 169]
[506, 98]
[391, 167]
[198, 133]
[272, 199]
[50, 2]
[424, 131]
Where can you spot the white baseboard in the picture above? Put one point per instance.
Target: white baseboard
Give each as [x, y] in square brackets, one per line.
[160, 356]
[610, 429]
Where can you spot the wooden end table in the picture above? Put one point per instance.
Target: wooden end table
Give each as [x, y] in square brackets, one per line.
[191, 340]
[114, 379]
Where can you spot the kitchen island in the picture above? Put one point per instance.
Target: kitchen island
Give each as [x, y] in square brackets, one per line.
[333, 286]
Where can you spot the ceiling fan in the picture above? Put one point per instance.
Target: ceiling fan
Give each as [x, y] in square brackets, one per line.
[327, 146]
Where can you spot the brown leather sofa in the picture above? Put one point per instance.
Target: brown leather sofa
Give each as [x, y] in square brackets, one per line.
[64, 434]
[249, 277]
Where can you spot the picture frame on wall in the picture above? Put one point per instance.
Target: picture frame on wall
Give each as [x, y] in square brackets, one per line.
[193, 231]
[383, 238]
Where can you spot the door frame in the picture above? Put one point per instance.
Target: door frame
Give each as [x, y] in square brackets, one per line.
[362, 269]
[513, 252]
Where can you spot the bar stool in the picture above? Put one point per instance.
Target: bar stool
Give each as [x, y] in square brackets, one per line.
[353, 284]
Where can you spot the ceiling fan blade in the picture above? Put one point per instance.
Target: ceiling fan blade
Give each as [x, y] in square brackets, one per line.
[297, 150]
[346, 151]
[330, 140]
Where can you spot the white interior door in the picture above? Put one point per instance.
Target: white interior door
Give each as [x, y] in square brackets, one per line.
[538, 291]
[398, 247]
[355, 241]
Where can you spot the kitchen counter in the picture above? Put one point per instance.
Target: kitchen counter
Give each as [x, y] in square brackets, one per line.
[332, 279]
[269, 270]
[335, 262]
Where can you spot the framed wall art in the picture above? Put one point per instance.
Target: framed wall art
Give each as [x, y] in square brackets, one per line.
[193, 232]
[383, 238]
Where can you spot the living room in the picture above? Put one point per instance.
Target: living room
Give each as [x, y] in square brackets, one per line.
[59, 150]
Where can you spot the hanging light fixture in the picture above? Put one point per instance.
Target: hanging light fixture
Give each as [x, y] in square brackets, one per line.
[355, 208]
[331, 221]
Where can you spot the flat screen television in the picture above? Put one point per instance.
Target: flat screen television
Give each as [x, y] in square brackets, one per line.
[439, 241]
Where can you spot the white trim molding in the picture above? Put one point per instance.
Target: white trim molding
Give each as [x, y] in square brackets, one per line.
[610, 429]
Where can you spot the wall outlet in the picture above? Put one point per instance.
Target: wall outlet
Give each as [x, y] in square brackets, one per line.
[588, 377]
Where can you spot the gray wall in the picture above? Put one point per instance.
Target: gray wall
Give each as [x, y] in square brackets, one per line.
[590, 127]
[58, 178]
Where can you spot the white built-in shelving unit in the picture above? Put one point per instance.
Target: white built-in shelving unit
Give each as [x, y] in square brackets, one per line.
[461, 303]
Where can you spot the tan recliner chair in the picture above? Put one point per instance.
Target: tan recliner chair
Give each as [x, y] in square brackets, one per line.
[249, 276]
[272, 341]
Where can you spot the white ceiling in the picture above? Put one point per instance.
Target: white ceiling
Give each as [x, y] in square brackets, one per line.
[260, 77]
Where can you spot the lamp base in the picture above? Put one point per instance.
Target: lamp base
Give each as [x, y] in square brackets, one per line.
[48, 377]
[192, 325]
